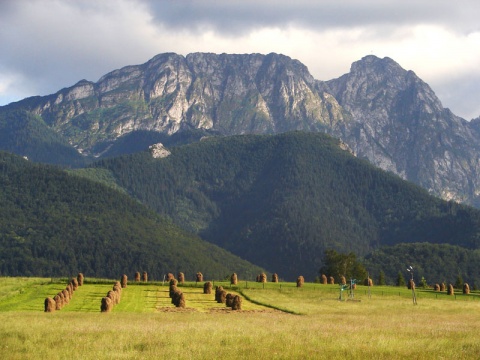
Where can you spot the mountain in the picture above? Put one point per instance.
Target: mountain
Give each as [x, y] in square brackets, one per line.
[384, 113]
[280, 201]
[53, 223]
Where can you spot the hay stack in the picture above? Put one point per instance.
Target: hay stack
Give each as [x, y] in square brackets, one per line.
[144, 276]
[436, 287]
[181, 277]
[181, 301]
[237, 303]
[80, 279]
[66, 296]
[69, 288]
[124, 280]
[300, 281]
[450, 290]
[331, 280]
[118, 290]
[466, 289]
[207, 288]
[137, 276]
[323, 279]
[229, 300]
[275, 278]
[176, 296]
[172, 289]
[50, 305]
[113, 296]
[263, 278]
[411, 284]
[106, 305]
[233, 279]
[199, 277]
[222, 297]
[343, 281]
[218, 289]
[170, 276]
[368, 282]
[74, 283]
[58, 301]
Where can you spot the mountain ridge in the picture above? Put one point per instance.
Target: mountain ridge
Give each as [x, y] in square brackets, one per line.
[381, 111]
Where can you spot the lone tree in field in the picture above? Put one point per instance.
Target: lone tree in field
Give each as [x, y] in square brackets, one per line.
[381, 278]
[400, 279]
[347, 265]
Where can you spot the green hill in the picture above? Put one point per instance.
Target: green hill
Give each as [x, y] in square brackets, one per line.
[53, 223]
[281, 201]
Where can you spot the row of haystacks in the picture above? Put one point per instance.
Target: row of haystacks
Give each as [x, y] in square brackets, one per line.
[63, 297]
[450, 289]
[177, 296]
[112, 298]
[143, 278]
[230, 300]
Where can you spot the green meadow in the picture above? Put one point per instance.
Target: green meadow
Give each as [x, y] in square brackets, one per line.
[277, 321]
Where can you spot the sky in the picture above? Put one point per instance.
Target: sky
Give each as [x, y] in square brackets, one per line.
[47, 45]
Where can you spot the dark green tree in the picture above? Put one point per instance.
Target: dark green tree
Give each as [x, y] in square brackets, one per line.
[400, 279]
[336, 265]
[459, 282]
[381, 278]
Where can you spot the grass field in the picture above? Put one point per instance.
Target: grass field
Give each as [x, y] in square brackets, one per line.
[280, 322]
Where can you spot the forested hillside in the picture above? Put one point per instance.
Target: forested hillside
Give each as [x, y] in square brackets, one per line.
[53, 223]
[281, 201]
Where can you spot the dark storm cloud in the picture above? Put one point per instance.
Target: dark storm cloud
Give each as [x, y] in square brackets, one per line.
[236, 17]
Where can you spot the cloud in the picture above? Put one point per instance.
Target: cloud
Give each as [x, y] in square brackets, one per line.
[53, 43]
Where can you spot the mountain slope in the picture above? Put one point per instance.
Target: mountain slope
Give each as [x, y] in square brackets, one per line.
[56, 224]
[281, 201]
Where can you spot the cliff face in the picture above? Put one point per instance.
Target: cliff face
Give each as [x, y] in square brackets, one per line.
[231, 94]
[401, 126]
[381, 111]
